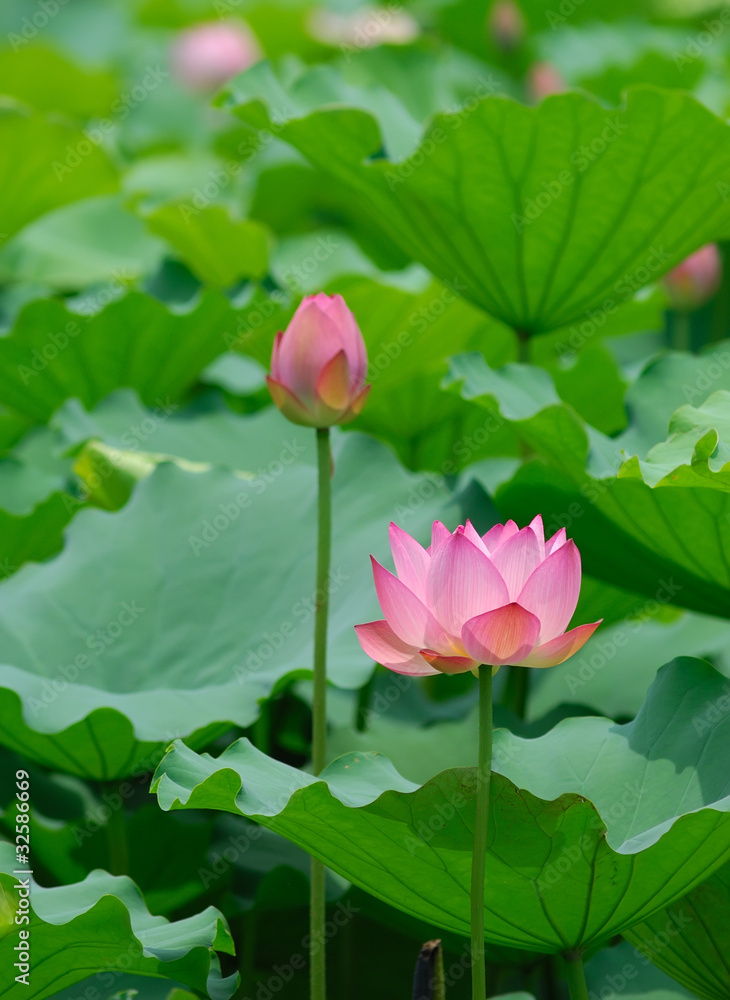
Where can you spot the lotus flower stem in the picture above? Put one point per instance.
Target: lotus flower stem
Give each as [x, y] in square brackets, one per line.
[575, 975]
[317, 912]
[481, 827]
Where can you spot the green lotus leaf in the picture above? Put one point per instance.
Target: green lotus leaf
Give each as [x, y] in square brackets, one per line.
[59, 165]
[53, 354]
[102, 925]
[669, 541]
[190, 623]
[690, 940]
[547, 215]
[639, 810]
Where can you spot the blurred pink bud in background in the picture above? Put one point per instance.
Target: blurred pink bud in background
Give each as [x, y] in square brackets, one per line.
[506, 24]
[544, 79]
[694, 281]
[206, 55]
[319, 364]
[505, 597]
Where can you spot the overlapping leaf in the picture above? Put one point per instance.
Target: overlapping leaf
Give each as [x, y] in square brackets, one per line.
[669, 541]
[640, 811]
[103, 925]
[547, 215]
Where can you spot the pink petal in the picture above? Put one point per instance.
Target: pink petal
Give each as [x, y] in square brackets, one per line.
[552, 590]
[336, 309]
[491, 539]
[517, 558]
[537, 526]
[473, 535]
[448, 664]
[462, 582]
[333, 382]
[439, 533]
[382, 644]
[411, 560]
[292, 407]
[509, 528]
[309, 342]
[409, 617]
[555, 542]
[549, 654]
[505, 635]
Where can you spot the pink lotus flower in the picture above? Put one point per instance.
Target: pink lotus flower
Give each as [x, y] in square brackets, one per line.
[506, 24]
[206, 55]
[319, 364]
[696, 279]
[506, 597]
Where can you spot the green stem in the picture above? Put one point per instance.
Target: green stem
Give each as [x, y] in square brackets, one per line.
[317, 913]
[481, 825]
[575, 975]
[516, 690]
[116, 836]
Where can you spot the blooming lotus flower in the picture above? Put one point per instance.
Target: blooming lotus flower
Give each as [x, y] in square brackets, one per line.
[696, 279]
[319, 364]
[504, 597]
[206, 55]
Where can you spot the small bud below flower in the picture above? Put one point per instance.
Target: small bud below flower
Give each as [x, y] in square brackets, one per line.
[543, 80]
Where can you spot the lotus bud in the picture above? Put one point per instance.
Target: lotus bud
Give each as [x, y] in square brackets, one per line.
[319, 364]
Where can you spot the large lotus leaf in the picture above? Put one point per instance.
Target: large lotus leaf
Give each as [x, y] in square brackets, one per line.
[670, 542]
[101, 925]
[189, 621]
[690, 941]
[545, 214]
[592, 825]
[54, 354]
[59, 165]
